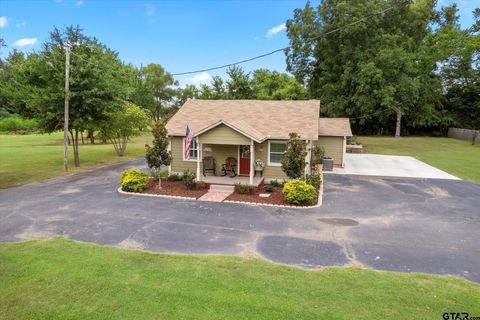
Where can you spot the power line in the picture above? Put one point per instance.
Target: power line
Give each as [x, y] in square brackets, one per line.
[264, 54]
[284, 48]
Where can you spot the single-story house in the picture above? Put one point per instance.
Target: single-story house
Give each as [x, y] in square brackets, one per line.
[248, 130]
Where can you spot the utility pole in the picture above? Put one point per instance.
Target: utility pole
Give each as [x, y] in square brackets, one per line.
[67, 98]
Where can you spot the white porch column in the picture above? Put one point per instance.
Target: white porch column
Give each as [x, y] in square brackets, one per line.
[169, 149]
[199, 156]
[252, 159]
[308, 156]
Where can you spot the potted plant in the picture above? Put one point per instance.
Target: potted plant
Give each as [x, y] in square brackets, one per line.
[259, 165]
[317, 158]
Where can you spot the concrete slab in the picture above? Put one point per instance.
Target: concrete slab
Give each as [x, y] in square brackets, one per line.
[214, 196]
[390, 166]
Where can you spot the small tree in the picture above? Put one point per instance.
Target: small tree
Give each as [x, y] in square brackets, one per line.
[293, 162]
[124, 124]
[158, 155]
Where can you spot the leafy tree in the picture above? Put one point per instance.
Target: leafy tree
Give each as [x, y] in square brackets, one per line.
[293, 162]
[262, 84]
[271, 85]
[380, 68]
[238, 85]
[14, 90]
[124, 124]
[216, 91]
[188, 92]
[94, 92]
[158, 155]
[461, 74]
[160, 85]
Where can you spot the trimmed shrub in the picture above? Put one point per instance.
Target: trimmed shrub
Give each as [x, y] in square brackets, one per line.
[188, 178]
[268, 188]
[174, 177]
[314, 179]
[244, 188]
[299, 192]
[15, 123]
[133, 180]
[277, 183]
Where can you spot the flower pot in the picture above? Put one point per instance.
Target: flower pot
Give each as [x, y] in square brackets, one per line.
[258, 168]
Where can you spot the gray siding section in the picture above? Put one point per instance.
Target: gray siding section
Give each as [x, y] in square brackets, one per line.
[223, 135]
[333, 147]
[178, 165]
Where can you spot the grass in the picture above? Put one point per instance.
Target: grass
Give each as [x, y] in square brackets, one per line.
[457, 157]
[64, 279]
[34, 157]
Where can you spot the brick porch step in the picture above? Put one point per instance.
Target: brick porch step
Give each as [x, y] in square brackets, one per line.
[221, 188]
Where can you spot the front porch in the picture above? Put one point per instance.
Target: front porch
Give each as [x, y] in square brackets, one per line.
[226, 180]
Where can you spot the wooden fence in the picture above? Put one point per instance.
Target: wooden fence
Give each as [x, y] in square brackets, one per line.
[464, 134]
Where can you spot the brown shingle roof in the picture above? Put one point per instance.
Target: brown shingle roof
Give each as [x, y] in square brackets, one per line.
[260, 118]
[334, 127]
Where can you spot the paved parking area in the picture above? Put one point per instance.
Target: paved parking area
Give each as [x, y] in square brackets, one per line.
[424, 225]
[390, 166]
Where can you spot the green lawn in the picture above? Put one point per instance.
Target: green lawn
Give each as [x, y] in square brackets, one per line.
[63, 279]
[30, 158]
[457, 157]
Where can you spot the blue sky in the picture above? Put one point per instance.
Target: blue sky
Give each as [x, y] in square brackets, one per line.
[180, 35]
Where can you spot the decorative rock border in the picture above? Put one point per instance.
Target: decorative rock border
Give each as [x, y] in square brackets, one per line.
[318, 204]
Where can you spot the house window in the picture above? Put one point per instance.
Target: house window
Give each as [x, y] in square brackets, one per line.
[193, 150]
[276, 150]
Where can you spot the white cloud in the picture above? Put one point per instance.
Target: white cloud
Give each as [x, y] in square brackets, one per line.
[21, 24]
[79, 3]
[201, 78]
[25, 42]
[3, 22]
[273, 31]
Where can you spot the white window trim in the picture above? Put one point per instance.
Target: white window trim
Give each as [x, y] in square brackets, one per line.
[274, 164]
[183, 151]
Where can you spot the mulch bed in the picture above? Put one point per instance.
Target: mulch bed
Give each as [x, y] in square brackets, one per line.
[276, 197]
[174, 188]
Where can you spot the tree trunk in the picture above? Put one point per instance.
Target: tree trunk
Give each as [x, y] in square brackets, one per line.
[75, 149]
[159, 180]
[398, 126]
[90, 136]
[81, 135]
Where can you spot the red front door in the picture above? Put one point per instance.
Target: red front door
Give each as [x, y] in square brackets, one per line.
[245, 160]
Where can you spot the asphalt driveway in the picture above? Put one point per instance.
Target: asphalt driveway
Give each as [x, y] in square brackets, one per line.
[428, 225]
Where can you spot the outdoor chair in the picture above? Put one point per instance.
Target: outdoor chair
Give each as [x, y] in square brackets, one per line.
[229, 167]
[209, 165]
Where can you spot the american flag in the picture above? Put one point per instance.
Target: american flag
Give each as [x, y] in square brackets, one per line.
[188, 142]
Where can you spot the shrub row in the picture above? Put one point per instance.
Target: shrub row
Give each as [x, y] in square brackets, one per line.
[244, 188]
[16, 123]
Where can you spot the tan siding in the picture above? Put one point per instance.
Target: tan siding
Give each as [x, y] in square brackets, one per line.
[269, 172]
[333, 147]
[223, 135]
[178, 165]
[220, 153]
